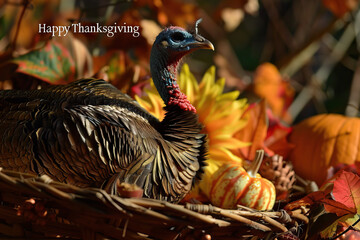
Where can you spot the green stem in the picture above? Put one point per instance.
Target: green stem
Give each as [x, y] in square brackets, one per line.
[255, 165]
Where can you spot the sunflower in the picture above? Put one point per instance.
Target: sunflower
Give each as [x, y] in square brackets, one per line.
[219, 112]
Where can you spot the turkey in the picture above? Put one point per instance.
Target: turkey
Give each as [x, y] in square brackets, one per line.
[90, 134]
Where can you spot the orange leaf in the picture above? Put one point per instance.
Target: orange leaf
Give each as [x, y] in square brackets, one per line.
[255, 130]
[337, 207]
[277, 136]
[308, 200]
[321, 197]
[347, 190]
[174, 12]
[269, 84]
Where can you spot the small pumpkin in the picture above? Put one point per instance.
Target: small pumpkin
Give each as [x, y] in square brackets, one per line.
[232, 185]
[324, 141]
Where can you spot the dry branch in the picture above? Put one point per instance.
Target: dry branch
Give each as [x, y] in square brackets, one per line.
[94, 214]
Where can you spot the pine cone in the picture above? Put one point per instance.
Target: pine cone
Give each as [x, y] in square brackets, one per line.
[280, 172]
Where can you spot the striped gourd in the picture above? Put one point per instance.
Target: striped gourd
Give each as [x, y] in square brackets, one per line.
[232, 185]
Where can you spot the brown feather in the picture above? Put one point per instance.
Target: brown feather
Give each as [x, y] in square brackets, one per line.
[88, 133]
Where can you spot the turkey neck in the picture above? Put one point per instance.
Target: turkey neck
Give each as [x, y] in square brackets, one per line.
[164, 68]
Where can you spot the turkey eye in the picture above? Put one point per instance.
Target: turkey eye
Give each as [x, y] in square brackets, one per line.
[177, 37]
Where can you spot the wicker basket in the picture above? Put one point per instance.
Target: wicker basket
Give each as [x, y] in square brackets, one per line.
[38, 208]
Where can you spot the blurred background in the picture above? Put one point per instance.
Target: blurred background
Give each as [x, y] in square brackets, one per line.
[301, 56]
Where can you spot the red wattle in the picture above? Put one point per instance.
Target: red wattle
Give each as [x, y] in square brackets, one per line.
[178, 98]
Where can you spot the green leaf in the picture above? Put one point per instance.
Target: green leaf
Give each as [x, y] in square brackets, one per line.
[352, 220]
[51, 63]
[330, 231]
[325, 222]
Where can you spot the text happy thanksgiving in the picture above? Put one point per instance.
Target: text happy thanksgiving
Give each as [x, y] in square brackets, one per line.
[110, 31]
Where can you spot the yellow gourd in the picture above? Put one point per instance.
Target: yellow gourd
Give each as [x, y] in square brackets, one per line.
[232, 185]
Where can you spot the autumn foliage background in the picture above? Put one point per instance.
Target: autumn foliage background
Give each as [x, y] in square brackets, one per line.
[301, 57]
[311, 43]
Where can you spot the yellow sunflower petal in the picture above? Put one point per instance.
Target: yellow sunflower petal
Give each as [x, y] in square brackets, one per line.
[208, 81]
[188, 83]
[222, 155]
[219, 85]
[229, 143]
[228, 96]
[143, 102]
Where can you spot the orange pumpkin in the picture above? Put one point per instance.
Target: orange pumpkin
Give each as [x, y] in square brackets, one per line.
[232, 186]
[323, 141]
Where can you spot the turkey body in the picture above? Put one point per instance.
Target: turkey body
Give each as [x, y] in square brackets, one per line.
[90, 134]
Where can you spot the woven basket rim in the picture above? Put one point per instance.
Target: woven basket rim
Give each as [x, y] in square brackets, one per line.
[97, 213]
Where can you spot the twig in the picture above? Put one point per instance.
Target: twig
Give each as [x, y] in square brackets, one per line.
[264, 216]
[323, 72]
[306, 14]
[25, 4]
[223, 45]
[238, 218]
[278, 24]
[296, 60]
[299, 216]
[248, 215]
[352, 108]
[96, 211]
[178, 209]
[301, 180]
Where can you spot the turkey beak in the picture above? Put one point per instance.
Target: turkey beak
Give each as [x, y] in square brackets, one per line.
[200, 42]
